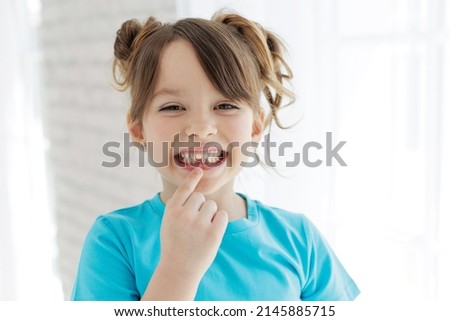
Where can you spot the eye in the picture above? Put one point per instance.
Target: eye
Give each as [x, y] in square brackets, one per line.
[172, 108]
[227, 106]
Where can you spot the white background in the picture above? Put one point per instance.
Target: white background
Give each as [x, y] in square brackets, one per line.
[374, 73]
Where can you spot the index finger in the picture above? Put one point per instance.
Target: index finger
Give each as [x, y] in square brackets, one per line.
[187, 187]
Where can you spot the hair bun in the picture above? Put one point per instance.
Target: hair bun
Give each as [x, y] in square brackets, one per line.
[125, 37]
[267, 49]
[129, 39]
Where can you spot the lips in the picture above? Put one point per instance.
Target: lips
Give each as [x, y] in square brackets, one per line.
[212, 157]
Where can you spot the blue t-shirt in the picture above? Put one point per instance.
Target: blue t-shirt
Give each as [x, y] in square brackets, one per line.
[272, 254]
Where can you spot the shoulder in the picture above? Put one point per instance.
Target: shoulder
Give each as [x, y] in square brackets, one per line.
[284, 225]
[128, 219]
[130, 213]
[276, 215]
[122, 228]
[126, 215]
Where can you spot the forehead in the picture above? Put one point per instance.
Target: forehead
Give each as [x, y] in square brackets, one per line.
[180, 70]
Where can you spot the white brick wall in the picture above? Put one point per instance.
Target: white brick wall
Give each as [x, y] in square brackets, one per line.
[82, 111]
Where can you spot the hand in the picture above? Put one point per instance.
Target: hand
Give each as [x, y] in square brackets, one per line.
[191, 231]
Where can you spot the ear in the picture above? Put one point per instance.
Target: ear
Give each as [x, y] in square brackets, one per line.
[135, 129]
[258, 125]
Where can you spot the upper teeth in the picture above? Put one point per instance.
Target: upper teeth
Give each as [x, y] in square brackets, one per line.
[192, 157]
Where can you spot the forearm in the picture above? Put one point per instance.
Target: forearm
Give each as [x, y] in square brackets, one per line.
[167, 284]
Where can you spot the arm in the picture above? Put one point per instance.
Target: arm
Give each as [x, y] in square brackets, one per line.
[167, 284]
[191, 232]
[327, 278]
[104, 272]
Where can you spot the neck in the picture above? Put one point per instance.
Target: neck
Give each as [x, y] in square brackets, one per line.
[232, 203]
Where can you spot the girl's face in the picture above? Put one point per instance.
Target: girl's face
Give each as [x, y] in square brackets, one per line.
[211, 130]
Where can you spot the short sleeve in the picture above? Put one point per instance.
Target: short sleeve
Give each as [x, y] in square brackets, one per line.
[104, 272]
[327, 279]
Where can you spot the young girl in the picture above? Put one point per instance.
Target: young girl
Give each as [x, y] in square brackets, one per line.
[195, 87]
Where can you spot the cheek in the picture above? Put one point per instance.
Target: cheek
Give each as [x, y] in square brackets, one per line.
[159, 131]
[159, 139]
[240, 130]
[240, 133]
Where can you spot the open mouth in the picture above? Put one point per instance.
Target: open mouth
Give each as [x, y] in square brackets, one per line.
[203, 159]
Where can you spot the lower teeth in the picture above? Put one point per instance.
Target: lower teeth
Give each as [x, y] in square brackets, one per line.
[196, 162]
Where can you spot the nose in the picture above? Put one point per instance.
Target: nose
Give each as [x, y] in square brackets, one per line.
[201, 126]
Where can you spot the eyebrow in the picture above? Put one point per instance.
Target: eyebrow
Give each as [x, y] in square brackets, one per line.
[168, 92]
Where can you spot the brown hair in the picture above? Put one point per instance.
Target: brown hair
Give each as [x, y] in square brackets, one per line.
[241, 59]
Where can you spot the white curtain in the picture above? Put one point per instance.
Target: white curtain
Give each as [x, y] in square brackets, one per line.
[26, 232]
[9, 82]
[374, 73]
